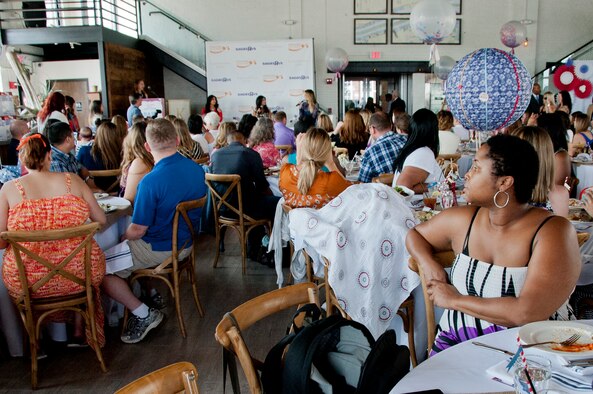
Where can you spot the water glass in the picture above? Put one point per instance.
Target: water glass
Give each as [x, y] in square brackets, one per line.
[540, 372]
[447, 199]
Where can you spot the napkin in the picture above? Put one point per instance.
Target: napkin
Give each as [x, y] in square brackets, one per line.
[499, 371]
[579, 370]
[583, 157]
[118, 257]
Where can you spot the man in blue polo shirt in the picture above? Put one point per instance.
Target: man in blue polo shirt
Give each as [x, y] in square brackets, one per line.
[134, 108]
[173, 179]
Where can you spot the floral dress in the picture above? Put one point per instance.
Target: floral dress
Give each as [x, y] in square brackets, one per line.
[53, 213]
[268, 152]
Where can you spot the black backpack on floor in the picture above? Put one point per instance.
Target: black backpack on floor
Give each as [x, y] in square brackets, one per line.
[334, 355]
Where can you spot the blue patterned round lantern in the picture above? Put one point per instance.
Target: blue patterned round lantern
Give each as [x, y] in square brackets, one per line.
[488, 89]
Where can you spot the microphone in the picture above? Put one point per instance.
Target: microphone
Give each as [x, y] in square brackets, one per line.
[301, 103]
[149, 88]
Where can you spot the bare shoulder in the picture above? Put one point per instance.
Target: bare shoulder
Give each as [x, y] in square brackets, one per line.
[138, 166]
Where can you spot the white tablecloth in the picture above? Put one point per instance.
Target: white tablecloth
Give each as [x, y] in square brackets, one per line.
[273, 181]
[584, 172]
[462, 368]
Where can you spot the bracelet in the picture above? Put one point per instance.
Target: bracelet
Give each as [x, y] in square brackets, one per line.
[88, 177]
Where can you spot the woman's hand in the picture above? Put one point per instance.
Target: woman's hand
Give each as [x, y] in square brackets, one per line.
[442, 294]
[433, 271]
[532, 121]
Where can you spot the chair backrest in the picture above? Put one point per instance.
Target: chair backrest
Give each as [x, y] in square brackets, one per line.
[107, 174]
[284, 149]
[448, 162]
[582, 238]
[386, 179]
[16, 240]
[202, 160]
[168, 380]
[233, 182]
[446, 260]
[228, 331]
[182, 210]
[340, 151]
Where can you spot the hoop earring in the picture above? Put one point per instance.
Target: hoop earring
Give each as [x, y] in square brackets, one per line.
[505, 203]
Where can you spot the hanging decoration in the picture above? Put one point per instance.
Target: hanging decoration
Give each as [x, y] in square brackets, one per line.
[513, 34]
[443, 67]
[488, 89]
[566, 78]
[336, 60]
[432, 21]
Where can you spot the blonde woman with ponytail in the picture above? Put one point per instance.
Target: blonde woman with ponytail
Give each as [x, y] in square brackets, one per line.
[305, 184]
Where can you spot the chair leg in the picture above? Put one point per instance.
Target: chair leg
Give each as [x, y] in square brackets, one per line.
[215, 263]
[33, 351]
[243, 240]
[411, 343]
[178, 304]
[194, 287]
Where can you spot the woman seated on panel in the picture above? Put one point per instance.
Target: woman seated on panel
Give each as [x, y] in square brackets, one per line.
[556, 128]
[136, 163]
[508, 253]
[352, 135]
[448, 140]
[105, 153]
[261, 140]
[306, 184]
[545, 194]
[44, 200]
[187, 146]
[416, 165]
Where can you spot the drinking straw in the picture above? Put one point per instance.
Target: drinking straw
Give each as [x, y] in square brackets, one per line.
[524, 362]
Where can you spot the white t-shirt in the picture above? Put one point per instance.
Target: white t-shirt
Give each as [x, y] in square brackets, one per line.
[424, 159]
[54, 115]
[199, 138]
[461, 131]
[448, 142]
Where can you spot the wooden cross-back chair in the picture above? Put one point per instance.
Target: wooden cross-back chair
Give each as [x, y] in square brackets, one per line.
[284, 150]
[202, 160]
[172, 379]
[448, 163]
[242, 223]
[34, 310]
[170, 270]
[386, 179]
[108, 174]
[229, 332]
[445, 259]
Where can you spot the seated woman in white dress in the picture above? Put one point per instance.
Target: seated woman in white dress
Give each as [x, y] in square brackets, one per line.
[515, 263]
[416, 165]
[448, 140]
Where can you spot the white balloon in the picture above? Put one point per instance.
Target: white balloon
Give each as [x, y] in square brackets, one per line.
[513, 34]
[336, 60]
[443, 67]
[433, 20]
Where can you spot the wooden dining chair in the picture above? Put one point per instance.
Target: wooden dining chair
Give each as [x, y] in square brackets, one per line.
[34, 310]
[284, 150]
[229, 332]
[234, 217]
[340, 151]
[446, 260]
[386, 179]
[171, 379]
[448, 163]
[405, 310]
[582, 238]
[170, 270]
[202, 160]
[108, 174]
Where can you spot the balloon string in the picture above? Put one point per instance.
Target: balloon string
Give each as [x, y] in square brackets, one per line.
[434, 55]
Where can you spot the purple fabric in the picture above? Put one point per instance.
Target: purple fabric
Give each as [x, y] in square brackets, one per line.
[283, 135]
[446, 339]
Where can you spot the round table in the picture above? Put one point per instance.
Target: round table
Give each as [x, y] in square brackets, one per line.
[462, 368]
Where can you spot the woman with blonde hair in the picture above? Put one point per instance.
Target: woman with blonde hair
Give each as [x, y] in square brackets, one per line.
[545, 194]
[448, 140]
[352, 135]
[224, 130]
[187, 146]
[309, 108]
[261, 140]
[325, 122]
[305, 184]
[582, 135]
[121, 127]
[136, 163]
[105, 153]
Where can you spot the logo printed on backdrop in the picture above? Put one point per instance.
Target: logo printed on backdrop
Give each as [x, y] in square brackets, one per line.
[297, 47]
[245, 49]
[248, 94]
[272, 63]
[296, 92]
[272, 78]
[245, 63]
[223, 79]
[245, 109]
[215, 50]
[220, 95]
[297, 77]
[277, 108]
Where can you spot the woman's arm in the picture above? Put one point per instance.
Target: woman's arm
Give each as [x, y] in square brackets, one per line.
[4, 207]
[135, 174]
[558, 197]
[561, 167]
[96, 212]
[553, 270]
[208, 137]
[413, 178]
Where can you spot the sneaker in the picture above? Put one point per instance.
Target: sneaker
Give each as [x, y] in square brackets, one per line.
[138, 328]
[156, 301]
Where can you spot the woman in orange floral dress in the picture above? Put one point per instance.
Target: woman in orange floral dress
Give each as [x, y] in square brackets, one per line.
[44, 200]
[306, 185]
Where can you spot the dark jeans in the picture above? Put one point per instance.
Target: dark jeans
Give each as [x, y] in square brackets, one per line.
[266, 209]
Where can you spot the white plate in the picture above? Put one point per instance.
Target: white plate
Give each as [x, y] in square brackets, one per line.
[557, 331]
[117, 202]
[99, 196]
[409, 192]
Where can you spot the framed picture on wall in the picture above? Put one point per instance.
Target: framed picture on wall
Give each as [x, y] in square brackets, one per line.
[370, 31]
[402, 33]
[370, 7]
[405, 6]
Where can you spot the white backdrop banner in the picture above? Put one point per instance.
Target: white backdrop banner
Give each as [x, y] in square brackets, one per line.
[239, 71]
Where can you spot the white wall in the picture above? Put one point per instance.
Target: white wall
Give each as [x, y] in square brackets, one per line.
[72, 69]
[560, 27]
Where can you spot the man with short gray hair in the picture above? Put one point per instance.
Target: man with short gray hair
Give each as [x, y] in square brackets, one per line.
[173, 179]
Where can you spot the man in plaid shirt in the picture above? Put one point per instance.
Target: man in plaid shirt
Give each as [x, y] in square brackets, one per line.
[379, 158]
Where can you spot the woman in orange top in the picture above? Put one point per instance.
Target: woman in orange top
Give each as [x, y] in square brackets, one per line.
[306, 185]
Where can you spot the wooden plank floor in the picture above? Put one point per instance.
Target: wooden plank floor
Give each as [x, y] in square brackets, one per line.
[220, 289]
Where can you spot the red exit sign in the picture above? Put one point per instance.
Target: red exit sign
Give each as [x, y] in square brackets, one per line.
[375, 55]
